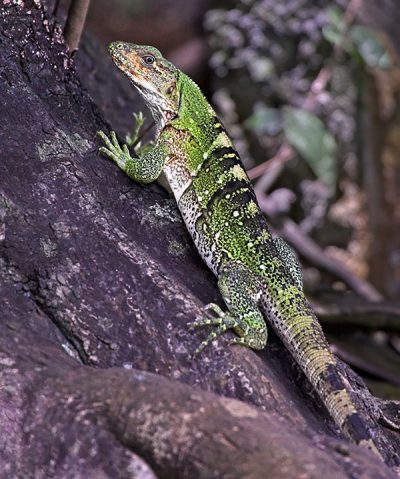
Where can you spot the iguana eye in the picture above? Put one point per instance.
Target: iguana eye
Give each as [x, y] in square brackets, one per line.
[170, 89]
[148, 59]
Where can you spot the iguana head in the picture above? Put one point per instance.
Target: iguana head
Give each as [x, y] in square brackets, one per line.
[153, 75]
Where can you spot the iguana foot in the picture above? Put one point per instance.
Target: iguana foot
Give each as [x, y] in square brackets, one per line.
[113, 149]
[222, 320]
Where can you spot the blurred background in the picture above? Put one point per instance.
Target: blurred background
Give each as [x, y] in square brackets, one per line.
[309, 92]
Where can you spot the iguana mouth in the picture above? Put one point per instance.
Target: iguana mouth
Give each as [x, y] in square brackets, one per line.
[118, 58]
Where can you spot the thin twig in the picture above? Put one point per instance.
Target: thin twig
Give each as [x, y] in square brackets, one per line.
[364, 365]
[382, 316]
[283, 154]
[307, 248]
[75, 23]
[56, 6]
[314, 254]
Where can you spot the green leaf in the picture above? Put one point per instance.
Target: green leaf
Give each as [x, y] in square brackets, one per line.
[264, 120]
[360, 41]
[331, 34]
[336, 18]
[309, 136]
[333, 31]
[370, 47]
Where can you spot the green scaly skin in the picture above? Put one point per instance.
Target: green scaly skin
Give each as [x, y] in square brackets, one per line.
[258, 276]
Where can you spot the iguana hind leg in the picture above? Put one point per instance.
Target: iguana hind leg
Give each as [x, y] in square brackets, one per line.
[290, 259]
[240, 289]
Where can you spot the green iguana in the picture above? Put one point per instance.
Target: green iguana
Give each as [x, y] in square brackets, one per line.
[258, 276]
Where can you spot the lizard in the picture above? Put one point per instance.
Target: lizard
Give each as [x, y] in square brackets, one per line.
[258, 275]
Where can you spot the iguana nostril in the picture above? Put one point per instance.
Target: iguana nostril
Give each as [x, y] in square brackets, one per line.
[116, 46]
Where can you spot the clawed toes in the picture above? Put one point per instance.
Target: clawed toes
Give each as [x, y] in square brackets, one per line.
[200, 349]
[212, 310]
[112, 145]
[207, 322]
[195, 324]
[205, 343]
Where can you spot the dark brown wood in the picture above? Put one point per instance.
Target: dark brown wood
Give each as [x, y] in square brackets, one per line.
[75, 23]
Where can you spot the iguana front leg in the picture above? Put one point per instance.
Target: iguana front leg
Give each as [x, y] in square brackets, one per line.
[144, 169]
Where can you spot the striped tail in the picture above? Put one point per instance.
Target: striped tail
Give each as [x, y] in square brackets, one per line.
[304, 338]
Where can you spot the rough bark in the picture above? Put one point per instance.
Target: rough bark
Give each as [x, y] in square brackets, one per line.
[98, 281]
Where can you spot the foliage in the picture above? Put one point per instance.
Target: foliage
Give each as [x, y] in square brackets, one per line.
[308, 134]
[268, 54]
[360, 41]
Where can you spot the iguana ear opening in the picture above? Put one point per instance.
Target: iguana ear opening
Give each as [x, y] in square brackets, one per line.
[171, 94]
[170, 89]
[170, 115]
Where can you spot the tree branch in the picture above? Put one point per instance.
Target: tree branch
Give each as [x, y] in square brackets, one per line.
[75, 23]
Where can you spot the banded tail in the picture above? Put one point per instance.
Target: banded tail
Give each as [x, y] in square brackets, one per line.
[304, 338]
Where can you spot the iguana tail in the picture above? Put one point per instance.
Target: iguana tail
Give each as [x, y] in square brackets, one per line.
[304, 338]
